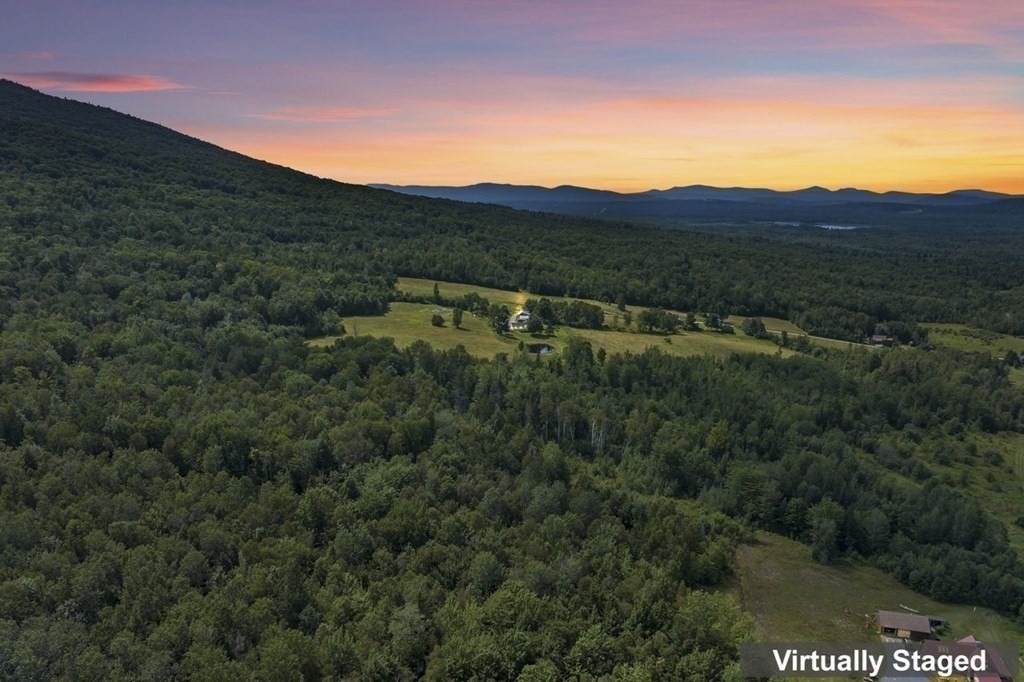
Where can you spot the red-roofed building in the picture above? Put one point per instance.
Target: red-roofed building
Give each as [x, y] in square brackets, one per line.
[969, 646]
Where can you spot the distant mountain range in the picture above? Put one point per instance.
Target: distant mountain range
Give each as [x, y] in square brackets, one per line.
[509, 195]
[703, 203]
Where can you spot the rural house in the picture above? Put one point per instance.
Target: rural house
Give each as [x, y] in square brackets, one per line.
[519, 322]
[912, 626]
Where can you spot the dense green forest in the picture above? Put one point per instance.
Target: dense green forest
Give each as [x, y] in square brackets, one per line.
[187, 489]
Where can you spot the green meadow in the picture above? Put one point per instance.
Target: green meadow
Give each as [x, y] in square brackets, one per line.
[973, 340]
[773, 324]
[513, 299]
[776, 325]
[794, 598]
[410, 322]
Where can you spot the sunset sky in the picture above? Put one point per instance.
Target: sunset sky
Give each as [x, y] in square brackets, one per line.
[924, 95]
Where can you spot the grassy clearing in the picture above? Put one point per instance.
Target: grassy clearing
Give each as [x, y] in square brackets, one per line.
[772, 324]
[513, 299]
[425, 287]
[680, 343]
[776, 325]
[612, 315]
[794, 598]
[1003, 493]
[994, 475]
[972, 340]
[409, 322]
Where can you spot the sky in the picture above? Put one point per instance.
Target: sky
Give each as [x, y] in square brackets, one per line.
[919, 95]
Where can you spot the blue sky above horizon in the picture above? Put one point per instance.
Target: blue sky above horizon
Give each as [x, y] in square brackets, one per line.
[923, 95]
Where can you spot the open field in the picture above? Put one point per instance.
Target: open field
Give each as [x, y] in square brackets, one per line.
[612, 315]
[794, 598]
[513, 299]
[994, 475]
[680, 343]
[772, 324]
[425, 287]
[409, 322]
[776, 325]
[972, 340]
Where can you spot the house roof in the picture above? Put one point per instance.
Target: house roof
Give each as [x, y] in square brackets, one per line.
[904, 621]
[936, 648]
[998, 668]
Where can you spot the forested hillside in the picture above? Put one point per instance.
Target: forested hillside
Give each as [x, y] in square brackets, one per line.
[187, 489]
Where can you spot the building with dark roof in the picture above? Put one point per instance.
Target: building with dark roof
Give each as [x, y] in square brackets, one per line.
[912, 626]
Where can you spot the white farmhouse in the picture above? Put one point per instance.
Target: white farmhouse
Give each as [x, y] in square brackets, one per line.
[519, 322]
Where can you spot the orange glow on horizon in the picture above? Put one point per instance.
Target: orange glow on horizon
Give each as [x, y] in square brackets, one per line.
[921, 95]
[635, 144]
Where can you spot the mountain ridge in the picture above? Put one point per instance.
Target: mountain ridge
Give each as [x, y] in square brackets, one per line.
[504, 193]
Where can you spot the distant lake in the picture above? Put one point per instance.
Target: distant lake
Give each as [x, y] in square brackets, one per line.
[823, 226]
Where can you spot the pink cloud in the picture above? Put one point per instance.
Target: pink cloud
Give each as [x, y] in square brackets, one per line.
[323, 115]
[40, 55]
[94, 82]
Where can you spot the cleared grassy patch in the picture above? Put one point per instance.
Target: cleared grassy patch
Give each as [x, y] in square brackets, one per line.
[776, 325]
[425, 287]
[513, 299]
[409, 322]
[772, 324]
[837, 343]
[681, 343]
[992, 471]
[972, 340]
[794, 598]
[613, 317]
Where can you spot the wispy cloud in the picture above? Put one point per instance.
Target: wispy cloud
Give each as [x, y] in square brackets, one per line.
[323, 115]
[72, 81]
[40, 55]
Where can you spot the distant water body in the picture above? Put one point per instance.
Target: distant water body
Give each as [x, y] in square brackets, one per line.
[823, 226]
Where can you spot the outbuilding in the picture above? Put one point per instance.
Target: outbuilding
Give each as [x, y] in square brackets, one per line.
[912, 626]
